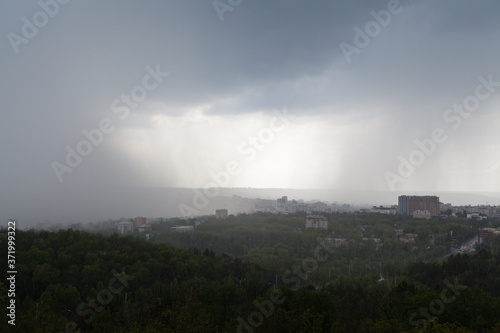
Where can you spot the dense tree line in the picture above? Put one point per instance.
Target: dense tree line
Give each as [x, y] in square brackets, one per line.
[70, 280]
[58, 273]
[277, 241]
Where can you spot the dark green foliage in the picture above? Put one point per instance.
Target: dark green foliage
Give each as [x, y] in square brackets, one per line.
[229, 271]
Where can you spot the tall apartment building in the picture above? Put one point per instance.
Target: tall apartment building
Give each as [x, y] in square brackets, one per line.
[140, 221]
[407, 204]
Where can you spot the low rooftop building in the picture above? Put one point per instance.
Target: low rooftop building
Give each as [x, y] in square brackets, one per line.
[316, 221]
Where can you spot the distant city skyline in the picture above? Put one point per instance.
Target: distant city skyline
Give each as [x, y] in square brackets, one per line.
[164, 202]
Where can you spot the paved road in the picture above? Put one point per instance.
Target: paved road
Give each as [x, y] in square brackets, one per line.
[468, 245]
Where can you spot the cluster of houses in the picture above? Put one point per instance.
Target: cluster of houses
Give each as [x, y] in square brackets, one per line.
[140, 224]
[283, 205]
[474, 212]
[480, 212]
[143, 224]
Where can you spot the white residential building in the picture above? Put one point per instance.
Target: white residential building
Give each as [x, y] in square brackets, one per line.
[125, 227]
[183, 228]
[422, 214]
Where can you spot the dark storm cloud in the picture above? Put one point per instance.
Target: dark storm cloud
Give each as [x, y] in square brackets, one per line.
[262, 56]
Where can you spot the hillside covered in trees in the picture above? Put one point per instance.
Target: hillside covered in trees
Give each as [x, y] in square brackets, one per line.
[256, 273]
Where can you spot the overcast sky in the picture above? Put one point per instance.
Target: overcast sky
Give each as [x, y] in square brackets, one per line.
[282, 94]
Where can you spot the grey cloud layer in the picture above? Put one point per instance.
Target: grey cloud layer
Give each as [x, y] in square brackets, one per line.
[265, 54]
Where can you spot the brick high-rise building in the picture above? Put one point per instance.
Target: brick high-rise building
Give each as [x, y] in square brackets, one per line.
[139, 222]
[407, 204]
